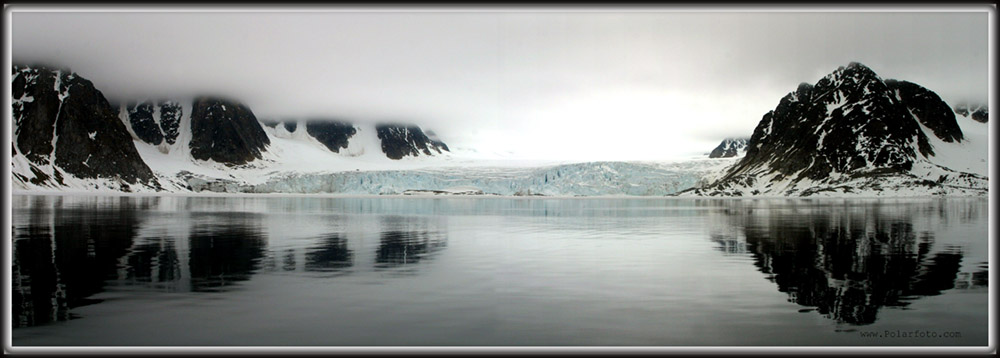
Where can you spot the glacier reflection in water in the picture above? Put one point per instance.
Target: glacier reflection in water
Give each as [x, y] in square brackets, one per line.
[495, 271]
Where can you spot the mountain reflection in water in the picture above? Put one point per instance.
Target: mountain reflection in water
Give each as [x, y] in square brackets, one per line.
[331, 255]
[66, 256]
[405, 241]
[845, 265]
[65, 253]
[501, 270]
[225, 251]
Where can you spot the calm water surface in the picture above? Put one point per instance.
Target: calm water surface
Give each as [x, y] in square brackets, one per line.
[279, 271]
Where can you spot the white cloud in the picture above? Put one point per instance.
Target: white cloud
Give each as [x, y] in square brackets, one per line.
[603, 85]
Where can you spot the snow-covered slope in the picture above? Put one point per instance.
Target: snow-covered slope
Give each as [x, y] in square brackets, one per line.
[730, 147]
[296, 162]
[970, 155]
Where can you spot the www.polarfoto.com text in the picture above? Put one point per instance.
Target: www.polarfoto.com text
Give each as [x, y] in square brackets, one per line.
[910, 334]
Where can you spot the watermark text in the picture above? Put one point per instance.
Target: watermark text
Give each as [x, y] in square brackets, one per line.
[916, 333]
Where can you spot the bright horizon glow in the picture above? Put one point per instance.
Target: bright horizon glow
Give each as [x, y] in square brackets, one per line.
[554, 85]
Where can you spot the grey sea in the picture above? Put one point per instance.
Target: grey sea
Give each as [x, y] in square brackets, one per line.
[485, 271]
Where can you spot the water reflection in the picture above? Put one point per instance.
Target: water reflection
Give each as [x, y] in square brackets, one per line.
[155, 261]
[844, 264]
[407, 240]
[225, 253]
[331, 255]
[61, 257]
[844, 261]
[67, 249]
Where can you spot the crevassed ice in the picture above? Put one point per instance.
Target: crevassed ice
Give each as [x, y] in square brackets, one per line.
[583, 179]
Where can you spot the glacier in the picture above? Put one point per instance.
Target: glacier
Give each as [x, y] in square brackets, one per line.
[573, 179]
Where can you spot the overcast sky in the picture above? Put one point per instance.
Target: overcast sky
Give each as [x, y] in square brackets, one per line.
[606, 85]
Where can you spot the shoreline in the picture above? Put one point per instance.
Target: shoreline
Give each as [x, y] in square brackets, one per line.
[476, 196]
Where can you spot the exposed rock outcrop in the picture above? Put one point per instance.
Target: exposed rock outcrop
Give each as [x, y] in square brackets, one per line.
[225, 131]
[63, 124]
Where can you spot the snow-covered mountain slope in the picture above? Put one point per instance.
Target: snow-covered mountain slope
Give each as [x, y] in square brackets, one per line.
[297, 162]
[730, 147]
[853, 133]
[287, 153]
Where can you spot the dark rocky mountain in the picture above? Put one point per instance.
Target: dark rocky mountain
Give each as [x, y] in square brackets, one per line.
[225, 131]
[63, 124]
[928, 109]
[978, 112]
[153, 122]
[730, 147]
[170, 120]
[65, 127]
[399, 141]
[333, 134]
[849, 125]
[140, 115]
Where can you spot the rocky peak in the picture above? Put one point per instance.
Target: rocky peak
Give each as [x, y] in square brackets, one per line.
[225, 131]
[851, 123]
[333, 134]
[399, 141]
[730, 147]
[63, 124]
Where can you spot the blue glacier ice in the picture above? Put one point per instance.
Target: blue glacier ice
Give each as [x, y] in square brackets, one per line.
[578, 179]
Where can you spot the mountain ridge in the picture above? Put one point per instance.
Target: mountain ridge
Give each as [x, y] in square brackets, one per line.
[54, 108]
[867, 135]
[877, 129]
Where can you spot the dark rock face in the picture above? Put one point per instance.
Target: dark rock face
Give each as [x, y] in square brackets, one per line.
[170, 120]
[225, 131]
[928, 108]
[334, 135]
[290, 126]
[61, 119]
[729, 148]
[979, 113]
[399, 141]
[140, 115]
[849, 122]
[35, 105]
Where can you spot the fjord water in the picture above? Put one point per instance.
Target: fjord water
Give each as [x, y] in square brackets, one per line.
[428, 271]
